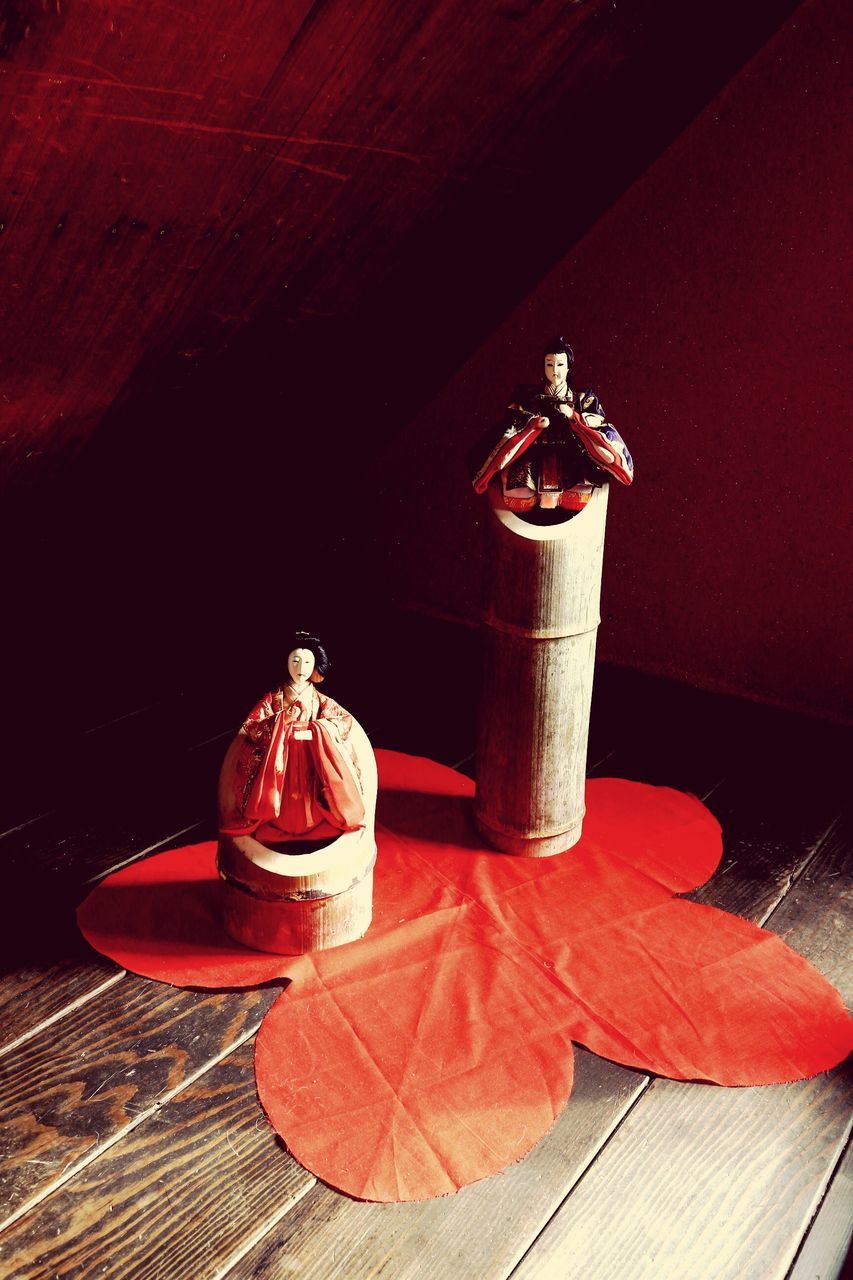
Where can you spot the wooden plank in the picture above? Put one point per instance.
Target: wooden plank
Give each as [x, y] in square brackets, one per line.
[437, 1239]
[815, 915]
[49, 865]
[49, 967]
[69, 1092]
[38, 994]
[134, 740]
[770, 835]
[334, 1236]
[17, 820]
[118, 799]
[206, 1158]
[169, 752]
[99, 833]
[691, 1157]
[479, 1232]
[825, 1248]
[686, 1162]
[779, 796]
[46, 868]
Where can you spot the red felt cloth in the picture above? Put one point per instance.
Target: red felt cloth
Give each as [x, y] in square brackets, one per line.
[436, 1050]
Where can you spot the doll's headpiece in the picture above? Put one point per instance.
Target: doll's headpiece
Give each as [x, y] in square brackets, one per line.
[302, 640]
[556, 346]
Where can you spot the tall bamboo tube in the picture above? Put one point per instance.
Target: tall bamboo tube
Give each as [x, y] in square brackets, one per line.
[542, 614]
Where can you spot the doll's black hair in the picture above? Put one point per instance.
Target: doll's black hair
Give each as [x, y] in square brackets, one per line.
[556, 346]
[302, 640]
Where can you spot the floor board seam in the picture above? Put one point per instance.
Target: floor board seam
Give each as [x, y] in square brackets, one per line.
[706, 795]
[63, 1012]
[593, 1160]
[125, 715]
[141, 853]
[819, 1205]
[95, 1152]
[10, 831]
[797, 875]
[216, 737]
[599, 761]
[188, 750]
[262, 1232]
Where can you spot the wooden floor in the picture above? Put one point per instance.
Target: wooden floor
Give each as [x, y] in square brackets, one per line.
[133, 1142]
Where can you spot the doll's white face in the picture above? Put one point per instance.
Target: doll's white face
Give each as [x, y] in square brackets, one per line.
[557, 368]
[300, 666]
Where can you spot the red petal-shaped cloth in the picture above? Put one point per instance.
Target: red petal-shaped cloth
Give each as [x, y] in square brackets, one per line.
[436, 1060]
[160, 918]
[697, 993]
[436, 1049]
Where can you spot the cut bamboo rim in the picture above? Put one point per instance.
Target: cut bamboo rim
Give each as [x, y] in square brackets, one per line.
[292, 903]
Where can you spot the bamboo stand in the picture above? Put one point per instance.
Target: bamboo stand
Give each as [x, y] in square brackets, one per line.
[541, 620]
[292, 903]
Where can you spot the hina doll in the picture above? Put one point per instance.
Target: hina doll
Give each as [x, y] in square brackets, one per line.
[293, 771]
[556, 445]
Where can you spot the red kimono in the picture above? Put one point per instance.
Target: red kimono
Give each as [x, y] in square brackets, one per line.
[295, 769]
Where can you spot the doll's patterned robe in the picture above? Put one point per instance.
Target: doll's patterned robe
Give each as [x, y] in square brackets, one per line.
[296, 770]
[558, 465]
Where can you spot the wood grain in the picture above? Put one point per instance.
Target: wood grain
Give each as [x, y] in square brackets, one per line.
[771, 832]
[37, 994]
[206, 1156]
[109, 824]
[825, 1248]
[479, 1232]
[146, 1181]
[73, 1089]
[131, 741]
[773, 782]
[49, 866]
[48, 966]
[691, 1158]
[154, 202]
[816, 914]
[438, 1239]
[685, 1187]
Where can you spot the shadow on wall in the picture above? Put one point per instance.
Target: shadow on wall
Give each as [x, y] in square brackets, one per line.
[704, 309]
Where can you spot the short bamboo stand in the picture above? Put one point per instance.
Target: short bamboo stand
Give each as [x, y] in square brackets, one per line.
[541, 620]
[292, 903]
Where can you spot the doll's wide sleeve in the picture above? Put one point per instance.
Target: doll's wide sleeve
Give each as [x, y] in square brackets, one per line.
[244, 759]
[495, 452]
[258, 723]
[337, 766]
[602, 442]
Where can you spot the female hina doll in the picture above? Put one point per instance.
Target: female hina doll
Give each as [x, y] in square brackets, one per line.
[556, 444]
[293, 772]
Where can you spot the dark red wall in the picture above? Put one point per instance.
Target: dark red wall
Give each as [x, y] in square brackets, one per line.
[706, 309]
[194, 425]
